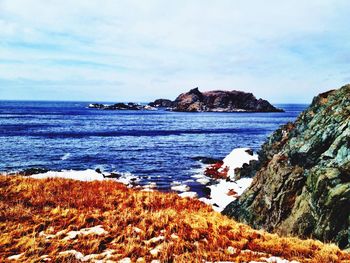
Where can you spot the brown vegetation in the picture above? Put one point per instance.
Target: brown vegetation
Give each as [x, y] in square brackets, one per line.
[216, 171]
[106, 220]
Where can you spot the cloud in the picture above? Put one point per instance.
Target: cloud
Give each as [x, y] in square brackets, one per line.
[279, 50]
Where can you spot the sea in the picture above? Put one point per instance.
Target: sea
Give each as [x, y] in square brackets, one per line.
[156, 146]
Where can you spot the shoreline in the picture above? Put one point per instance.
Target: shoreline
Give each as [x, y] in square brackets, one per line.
[222, 191]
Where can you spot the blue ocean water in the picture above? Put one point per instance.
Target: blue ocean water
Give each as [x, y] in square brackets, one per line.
[158, 146]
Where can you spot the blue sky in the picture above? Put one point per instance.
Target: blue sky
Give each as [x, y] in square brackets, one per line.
[283, 51]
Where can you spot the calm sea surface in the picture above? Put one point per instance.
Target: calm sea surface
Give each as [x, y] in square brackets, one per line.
[158, 146]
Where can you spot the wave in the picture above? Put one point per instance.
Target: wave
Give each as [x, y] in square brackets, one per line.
[65, 157]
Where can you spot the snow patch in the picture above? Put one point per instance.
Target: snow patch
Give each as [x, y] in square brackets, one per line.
[220, 193]
[96, 230]
[154, 240]
[88, 175]
[189, 194]
[15, 257]
[227, 190]
[236, 159]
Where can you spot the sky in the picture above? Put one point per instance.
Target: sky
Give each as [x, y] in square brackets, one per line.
[113, 50]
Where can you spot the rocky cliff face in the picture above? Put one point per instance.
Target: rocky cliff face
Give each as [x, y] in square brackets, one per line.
[226, 101]
[302, 179]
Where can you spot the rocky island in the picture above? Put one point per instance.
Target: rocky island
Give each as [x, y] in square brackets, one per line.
[221, 101]
[301, 182]
[197, 101]
[120, 106]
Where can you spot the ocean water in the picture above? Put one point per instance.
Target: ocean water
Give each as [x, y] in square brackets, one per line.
[157, 146]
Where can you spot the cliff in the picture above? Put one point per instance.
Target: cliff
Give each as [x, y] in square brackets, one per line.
[302, 179]
[221, 101]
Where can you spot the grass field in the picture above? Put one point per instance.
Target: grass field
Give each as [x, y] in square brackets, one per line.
[71, 221]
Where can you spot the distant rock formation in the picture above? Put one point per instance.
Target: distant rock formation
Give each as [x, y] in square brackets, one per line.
[221, 101]
[117, 106]
[162, 103]
[196, 101]
[302, 179]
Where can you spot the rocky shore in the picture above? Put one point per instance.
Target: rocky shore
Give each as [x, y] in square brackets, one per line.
[301, 181]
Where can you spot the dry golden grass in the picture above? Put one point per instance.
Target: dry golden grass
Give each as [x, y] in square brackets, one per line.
[36, 216]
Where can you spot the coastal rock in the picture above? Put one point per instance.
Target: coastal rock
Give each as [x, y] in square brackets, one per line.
[31, 171]
[117, 106]
[301, 182]
[206, 160]
[221, 101]
[162, 103]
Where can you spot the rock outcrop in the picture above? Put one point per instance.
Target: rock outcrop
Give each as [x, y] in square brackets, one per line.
[302, 179]
[117, 106]
[162, 103]
[196, 101]
[221, 101]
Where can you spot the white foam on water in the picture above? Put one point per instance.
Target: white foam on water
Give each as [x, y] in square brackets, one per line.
[65, 157]
[179, 187]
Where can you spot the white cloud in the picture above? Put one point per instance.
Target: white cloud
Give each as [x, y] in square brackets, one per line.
[276, 49]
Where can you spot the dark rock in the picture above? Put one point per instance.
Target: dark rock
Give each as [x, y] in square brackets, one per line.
[112, 175]
[301, 182]
[161, 103]
[206, 160]
[32, 171]
[221, 101]
[117, 106]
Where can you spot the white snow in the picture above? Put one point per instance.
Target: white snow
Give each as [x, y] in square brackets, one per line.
[151, 185]
[154, 240]
[15, 257]
[219, 192]
[125, 260]
[236, 159]
[219, 197]
[180, 188]
[188, 194]
[274, 260]
[87, 175]
[90, 258]
[96, 230]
